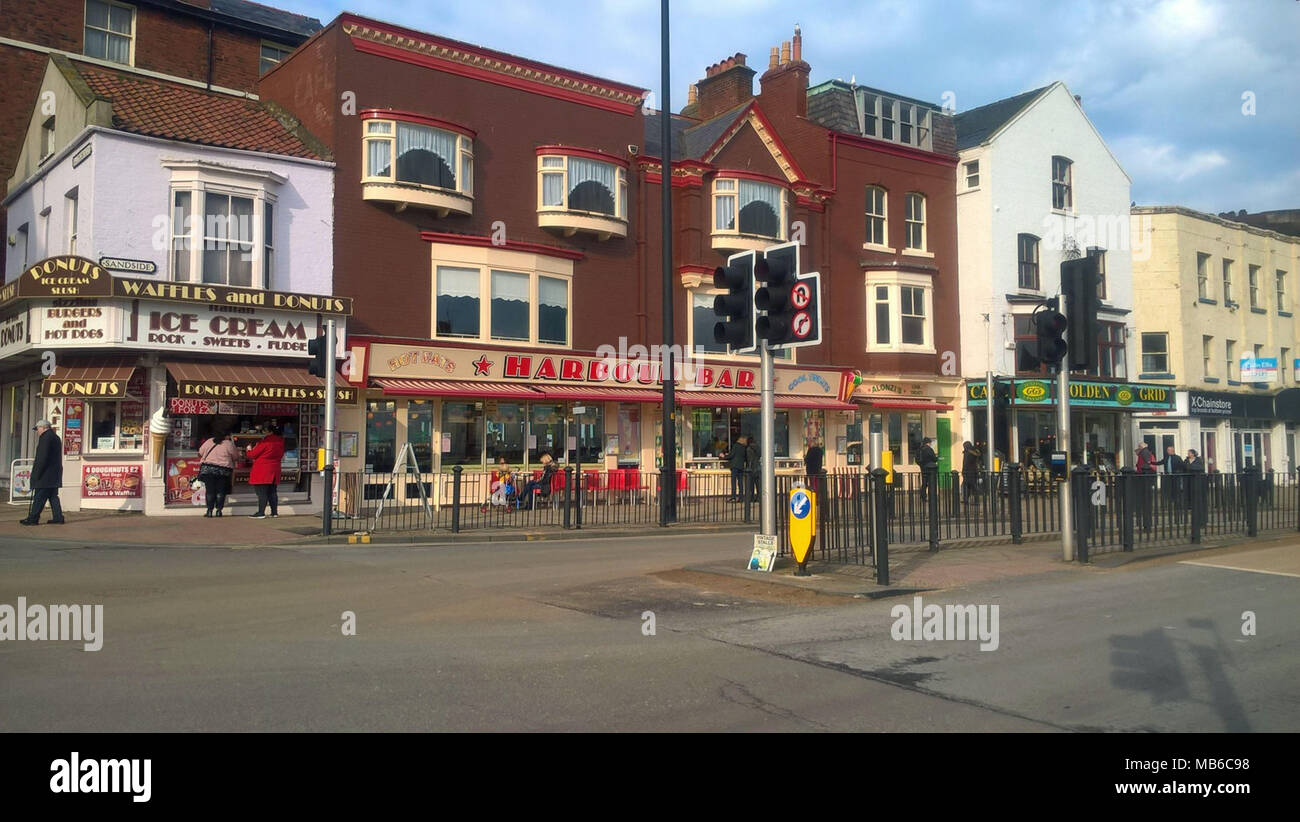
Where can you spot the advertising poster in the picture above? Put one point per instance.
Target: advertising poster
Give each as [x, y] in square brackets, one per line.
[73, 420]
[121, 481]
[181, 473]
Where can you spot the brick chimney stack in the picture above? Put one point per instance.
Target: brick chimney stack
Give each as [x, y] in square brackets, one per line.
[785, 83]
[726, 84]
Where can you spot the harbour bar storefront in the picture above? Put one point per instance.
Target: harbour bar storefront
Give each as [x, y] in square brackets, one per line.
[1101, 418]
[469, 406]
[135, 374]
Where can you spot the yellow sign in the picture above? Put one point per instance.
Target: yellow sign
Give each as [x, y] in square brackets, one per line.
[320, 459]
[803, 523]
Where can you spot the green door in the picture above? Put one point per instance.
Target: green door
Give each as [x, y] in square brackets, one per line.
[943, 439]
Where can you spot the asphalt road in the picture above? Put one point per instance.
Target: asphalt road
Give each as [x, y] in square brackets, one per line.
[549, 636]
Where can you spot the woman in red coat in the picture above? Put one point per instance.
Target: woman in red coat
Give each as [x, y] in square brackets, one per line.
[265, 475]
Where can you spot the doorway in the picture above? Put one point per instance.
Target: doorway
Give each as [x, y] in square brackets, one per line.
[1251, 448]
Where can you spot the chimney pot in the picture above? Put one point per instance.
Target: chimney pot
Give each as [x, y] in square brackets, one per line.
[740, 58]
[785, 52]
[692, 94]
[797, 44]
[772, 60]
[1078, 99]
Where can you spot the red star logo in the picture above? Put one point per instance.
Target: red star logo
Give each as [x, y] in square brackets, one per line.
[482, 366]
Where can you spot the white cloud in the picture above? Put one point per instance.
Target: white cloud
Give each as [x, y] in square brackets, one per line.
[1159, 161]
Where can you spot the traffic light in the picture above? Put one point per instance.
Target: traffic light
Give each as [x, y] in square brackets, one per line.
[788, 302]
[735, 309]
[1050, 325]
[321, 355]
[1079, 287]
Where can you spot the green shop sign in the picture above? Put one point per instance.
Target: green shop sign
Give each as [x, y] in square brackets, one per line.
[1082, 394]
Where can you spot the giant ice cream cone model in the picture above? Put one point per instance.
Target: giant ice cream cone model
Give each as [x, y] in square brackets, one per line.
[159, 428]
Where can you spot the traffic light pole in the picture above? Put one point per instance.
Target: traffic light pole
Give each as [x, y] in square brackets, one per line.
[668, 470]
[767, 401]
[327, 514]
[1063, 443]
[991, 415]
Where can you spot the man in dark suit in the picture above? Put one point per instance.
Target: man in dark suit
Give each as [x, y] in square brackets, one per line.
[736, 462]
[1172, 467]
[754, 467]
[47, 476]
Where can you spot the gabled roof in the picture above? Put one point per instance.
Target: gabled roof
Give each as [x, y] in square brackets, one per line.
[979, 124]
[267, 16]
[156, 108]
[691, 138]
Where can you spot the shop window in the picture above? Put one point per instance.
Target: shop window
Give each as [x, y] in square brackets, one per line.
[853, 440]
[711, 433]
[626, 443]
[591, 434]
[419, 432]
[381, 436]
[581, 193]
[915, 432]
[523, 306]
[462, 426]
[750, 426]
[545, 432]
[115, 425]
[505, 432]
[894, 437]
[814, 428]
[420, 162]
[110, 31]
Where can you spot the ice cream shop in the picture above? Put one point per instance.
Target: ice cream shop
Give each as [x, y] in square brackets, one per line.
[135, 374]
[470, 406]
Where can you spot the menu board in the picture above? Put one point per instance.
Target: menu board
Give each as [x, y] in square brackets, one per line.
[181, 473]
[122, 481]
[132, 424]
[179, 438]
[74, 415]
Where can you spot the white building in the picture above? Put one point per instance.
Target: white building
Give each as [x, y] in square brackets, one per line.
[170, 258]
[1036, 184]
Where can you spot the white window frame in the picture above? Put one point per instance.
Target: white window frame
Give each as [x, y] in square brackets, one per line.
[198, 178]
[1279, 280]
[1252, 283]
[971, 170]
[725, 187]
[1143, 353]
[90, 441]
[464, 159]
[1203, 276]
[1227, 281]
[1065, 182]
[534, 266]
[262, 59]
[875, 110]
[47, 137]
[1037, 287]
[130, 37]
[1207, 355]
[908, 222]
[894, 281]
[1230, 350]
[558, 165]
[882, 216]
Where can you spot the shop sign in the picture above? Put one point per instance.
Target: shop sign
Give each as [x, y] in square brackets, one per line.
[73, 421]
[1258, 369]
[1210, 404]
[814, 383]
[133, 266]
[74, 323]
[72, 276]
[216, 391]
[425, 362]
[237, 329]
[1119, 396]
[180, 406]
[120, 481]
[86, 389]
[13, 333]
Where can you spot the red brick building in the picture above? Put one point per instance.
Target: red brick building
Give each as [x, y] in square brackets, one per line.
[222, 44]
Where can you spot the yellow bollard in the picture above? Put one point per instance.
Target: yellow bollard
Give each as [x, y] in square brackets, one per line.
[887, 463]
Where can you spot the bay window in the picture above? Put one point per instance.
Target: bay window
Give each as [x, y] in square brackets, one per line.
[900, 312]
[416, 160]
[581, 192]
[747, 214]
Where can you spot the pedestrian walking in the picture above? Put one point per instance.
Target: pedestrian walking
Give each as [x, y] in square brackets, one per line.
[265, 475]
[47, 475]
[1146, 479]
[217, 457]
[928, 460]
[813, 458]
[736, 462]
[970, 470]
[754, 468]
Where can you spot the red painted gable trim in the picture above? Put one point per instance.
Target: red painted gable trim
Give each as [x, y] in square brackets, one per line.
[891, 148]
[512, 245]
[412, 117]
[427, 61]
[588, 153]
[730, 173]
[739, 123]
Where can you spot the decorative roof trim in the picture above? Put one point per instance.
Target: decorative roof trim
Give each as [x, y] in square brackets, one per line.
[383, 40]
[588, 153]
[486, 242]
[753, 116]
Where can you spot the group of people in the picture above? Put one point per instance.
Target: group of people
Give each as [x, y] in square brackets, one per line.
[504, 485]
[218, 457]
[1170, 463]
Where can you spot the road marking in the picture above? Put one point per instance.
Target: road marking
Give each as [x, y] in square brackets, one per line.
[1236, 568]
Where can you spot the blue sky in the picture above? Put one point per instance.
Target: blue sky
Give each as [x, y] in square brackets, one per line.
[1163, 81]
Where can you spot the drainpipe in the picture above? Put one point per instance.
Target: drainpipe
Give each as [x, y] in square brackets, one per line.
[210, 57]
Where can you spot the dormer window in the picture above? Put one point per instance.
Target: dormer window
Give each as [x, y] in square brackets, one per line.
[581, 190]
[894, 120]
[419, 161]
[747, 213]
